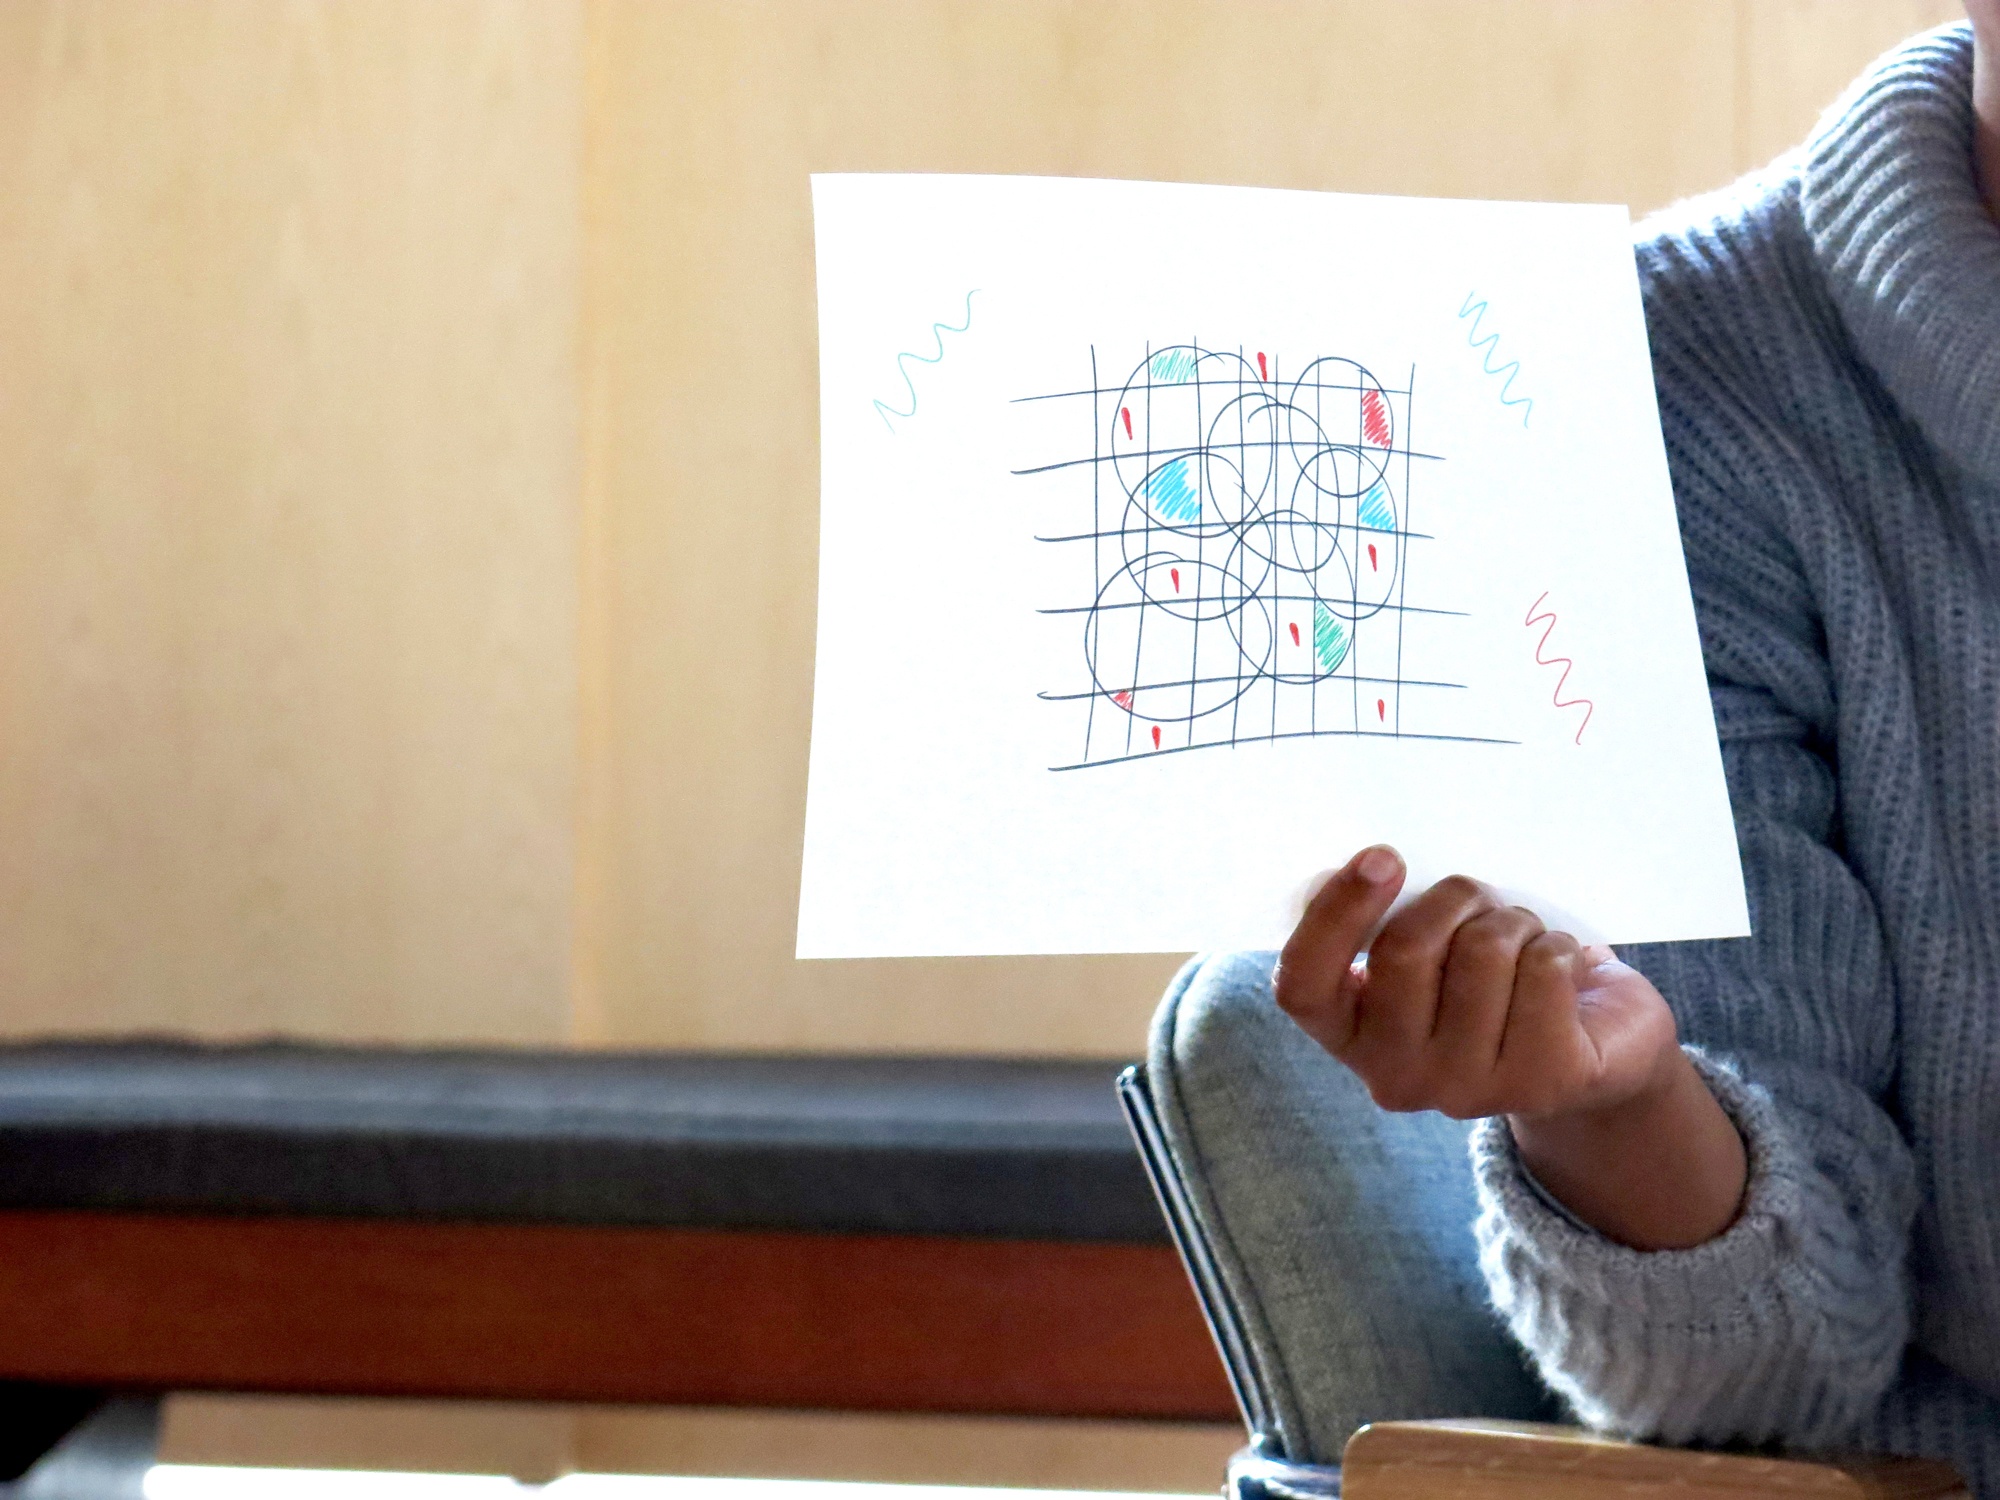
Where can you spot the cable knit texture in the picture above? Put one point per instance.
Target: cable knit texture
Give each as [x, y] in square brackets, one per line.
[1826, 342]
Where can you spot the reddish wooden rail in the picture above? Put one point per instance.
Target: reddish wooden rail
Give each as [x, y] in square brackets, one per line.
[676, 1316]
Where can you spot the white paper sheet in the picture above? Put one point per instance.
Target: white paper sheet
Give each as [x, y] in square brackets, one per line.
[1177, 541]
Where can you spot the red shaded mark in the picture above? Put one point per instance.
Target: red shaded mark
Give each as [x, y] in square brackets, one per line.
[1262, 372]
[1371, 558]
[1381, 711]
[1374, 418]
[1295, 635]
[1177, 578]
[1564, 662]
[1123, 699]
[1126, 413]
[1156, 736]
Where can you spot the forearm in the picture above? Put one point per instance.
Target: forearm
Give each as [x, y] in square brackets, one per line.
[1664, 1170]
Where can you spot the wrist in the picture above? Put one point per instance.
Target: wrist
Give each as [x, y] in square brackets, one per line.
[1643, 1098]
[1663, 1168]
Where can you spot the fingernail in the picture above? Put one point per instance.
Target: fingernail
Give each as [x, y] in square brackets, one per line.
[1377, 865]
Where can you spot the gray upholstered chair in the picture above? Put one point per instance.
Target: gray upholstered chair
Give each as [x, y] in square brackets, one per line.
[1331, 1242]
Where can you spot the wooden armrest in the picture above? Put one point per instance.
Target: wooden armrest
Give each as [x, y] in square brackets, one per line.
[1481, 1460]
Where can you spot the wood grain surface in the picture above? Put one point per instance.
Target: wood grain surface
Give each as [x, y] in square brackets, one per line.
[1482, 1460]
[666, 1316]
[288, 477]
[541, 1441]
[1794, 58]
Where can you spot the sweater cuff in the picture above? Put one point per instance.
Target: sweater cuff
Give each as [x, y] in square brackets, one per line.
[1737, 1098]
[1537, 1256]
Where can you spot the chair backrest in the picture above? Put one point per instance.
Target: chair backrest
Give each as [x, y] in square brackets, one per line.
[1344, 1275]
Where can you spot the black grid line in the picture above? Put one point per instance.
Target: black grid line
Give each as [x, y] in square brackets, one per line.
[1250, 544]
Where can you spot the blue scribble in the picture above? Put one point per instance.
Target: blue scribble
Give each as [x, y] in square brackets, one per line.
[1374, 511]
[1329, 639]
[1173, 366]
[938, 331]
[1486, 345]
[1171, 489]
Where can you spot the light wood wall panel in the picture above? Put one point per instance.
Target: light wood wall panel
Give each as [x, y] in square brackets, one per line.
[288, 477]
[1796, 56]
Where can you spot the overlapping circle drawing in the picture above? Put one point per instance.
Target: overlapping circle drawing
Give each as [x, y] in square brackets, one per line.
[1259, 527]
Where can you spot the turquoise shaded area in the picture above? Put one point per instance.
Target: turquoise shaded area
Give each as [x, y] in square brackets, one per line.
[1374, 512]
[1173, 366]
[1171, 492]
[1329, 639]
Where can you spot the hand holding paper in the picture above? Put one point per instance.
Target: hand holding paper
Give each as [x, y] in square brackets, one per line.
[1470, 1006]
[1466, 1004]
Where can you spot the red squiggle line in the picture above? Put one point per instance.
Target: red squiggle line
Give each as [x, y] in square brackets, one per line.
[1564, 662]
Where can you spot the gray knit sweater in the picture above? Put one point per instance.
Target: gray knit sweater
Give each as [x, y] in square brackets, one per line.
[1826, 341]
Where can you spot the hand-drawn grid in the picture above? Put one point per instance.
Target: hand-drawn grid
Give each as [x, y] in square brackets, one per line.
[1251, 551]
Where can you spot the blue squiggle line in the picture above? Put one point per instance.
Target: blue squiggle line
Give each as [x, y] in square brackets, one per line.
[938, 331]
[1486, 346]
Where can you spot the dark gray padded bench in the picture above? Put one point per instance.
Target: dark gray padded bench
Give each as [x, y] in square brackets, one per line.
[946, 1146]
[910, 1234]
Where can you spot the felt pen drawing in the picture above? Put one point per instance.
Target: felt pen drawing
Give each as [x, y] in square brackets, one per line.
[1564, 662]
[938, 331]
[1250, 548]
[1475, 308]
[1374, 419]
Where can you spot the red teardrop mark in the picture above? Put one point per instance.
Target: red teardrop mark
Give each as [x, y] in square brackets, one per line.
[1295, 635]
[1371, 558]
[1156, 736]
[1126, 413]
[1177, 578]
[1262, 371]
[1381, 711]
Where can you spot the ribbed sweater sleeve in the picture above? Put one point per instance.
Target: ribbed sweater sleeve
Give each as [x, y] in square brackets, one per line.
[1791, 1324]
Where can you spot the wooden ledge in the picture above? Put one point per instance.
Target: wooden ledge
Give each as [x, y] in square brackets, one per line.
[911, 1323]
[1480, 1460]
